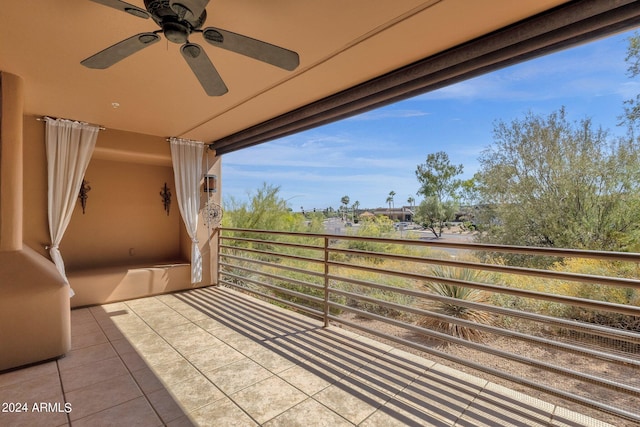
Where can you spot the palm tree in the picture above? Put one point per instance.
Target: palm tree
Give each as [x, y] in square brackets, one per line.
[391, 195]
[354, 208]
[345, 203]
[411, 201]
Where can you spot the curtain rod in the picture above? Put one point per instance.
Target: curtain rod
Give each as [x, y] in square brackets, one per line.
[186, 139]
[43, 118]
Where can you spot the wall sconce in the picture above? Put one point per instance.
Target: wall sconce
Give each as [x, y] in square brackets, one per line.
[166, 198]
[83, 196]
[210, 183]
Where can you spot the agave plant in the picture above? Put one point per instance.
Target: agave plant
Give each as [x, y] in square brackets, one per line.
[454, 310]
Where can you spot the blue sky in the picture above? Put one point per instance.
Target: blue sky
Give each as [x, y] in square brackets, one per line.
[367, 156]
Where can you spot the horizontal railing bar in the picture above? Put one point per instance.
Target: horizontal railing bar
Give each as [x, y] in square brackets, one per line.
[603, 382]
[557, 275]
[300, 307]
[270, 264]
[277, 288]
[531, 250]
[274, 276]
[599, 305]
[492, 329]
[275, 243]
[602, 331]
[492, 371]
[280, 255]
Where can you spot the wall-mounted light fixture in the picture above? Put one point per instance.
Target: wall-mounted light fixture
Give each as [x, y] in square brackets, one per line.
[210, 183]
[82, 194]
[166, 198]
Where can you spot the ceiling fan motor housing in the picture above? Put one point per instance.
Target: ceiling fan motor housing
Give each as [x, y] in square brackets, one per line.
[164, 15]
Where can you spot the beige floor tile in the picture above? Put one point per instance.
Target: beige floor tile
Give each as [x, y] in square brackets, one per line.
[183, 421]
[101, 396]
[148, 304]
[92, 373]
[43, 388]
[136, 412]
[439, 395]
[221, 413]
[175, 371]
[276, 361]
[166, 406]
[80, 316]
[134, 362]
[352, 400]
[210, 358]
[87, 327]
[309, 413]
[82, 356]
[155, 350]
[268, 399]
[391, 374]
[24, 374]
[189, 338]
[147, 380]
[33, 418]
[195, 392]
[112, 332]
[308, 378]
[87, 340]
[238, 375]
[499, 406]
[396, 413]
[122, 346]
[159, 321]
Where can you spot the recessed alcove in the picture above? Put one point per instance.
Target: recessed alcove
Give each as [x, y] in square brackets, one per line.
[125, 245]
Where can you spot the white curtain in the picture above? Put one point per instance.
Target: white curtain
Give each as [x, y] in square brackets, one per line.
[69, 147]
[187, 170]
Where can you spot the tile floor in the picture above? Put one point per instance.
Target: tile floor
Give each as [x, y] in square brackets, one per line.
[214, 357]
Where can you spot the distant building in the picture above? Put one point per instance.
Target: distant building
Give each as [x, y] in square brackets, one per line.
[404, 213]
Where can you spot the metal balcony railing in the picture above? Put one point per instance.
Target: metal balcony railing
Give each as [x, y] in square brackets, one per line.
[570, 330]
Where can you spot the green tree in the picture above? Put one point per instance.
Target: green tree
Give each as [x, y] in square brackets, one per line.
[554, 183]
[265, 210]
[632, 106]
[440, 187]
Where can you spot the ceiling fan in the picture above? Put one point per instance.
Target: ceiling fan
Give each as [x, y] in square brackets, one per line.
[178, 19]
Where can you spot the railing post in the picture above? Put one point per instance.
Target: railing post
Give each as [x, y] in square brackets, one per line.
[218, 268]
[326, 281]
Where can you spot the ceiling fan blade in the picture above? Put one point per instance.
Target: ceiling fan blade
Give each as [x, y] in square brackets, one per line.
[204, 70]
[125, 7]
[121, 50]
[256, 49]
[190, 10]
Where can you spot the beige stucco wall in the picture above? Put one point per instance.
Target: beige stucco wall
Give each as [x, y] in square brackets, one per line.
[34, 300]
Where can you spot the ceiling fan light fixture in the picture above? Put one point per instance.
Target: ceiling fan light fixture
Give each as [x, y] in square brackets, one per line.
[176, 32]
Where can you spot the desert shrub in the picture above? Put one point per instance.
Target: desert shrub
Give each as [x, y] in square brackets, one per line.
[452, 309]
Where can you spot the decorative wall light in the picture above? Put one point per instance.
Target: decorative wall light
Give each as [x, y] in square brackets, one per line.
[210, 183]
[166, 198]
[82, 195]
[212, 214]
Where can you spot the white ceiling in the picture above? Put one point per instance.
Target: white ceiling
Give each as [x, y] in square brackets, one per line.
[341, 43]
